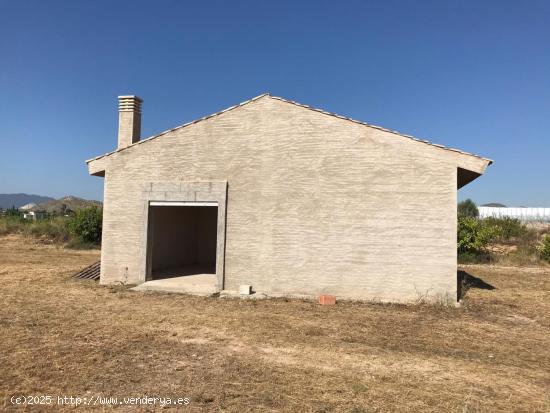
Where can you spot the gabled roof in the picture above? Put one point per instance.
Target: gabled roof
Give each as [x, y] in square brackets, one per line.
[489, 161]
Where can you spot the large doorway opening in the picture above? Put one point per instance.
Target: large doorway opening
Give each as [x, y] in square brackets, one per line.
[182, 240]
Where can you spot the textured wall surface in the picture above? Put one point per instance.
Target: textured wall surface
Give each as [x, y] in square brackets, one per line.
[315, 204]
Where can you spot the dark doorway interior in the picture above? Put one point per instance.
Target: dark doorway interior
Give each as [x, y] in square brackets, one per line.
[183, 240]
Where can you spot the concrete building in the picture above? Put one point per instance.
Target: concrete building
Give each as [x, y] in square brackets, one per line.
[34, 215]
[288, 199]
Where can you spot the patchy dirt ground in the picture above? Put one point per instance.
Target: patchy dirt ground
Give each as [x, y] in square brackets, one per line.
[75, 338]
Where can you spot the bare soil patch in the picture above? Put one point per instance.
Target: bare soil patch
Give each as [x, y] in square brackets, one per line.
[66, 337]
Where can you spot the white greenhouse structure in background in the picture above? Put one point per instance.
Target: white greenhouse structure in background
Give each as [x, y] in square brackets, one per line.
[522, 213]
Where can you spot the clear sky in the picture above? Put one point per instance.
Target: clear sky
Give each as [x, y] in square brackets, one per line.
[474, 75]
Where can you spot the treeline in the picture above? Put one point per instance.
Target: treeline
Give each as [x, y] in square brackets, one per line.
[504, 240]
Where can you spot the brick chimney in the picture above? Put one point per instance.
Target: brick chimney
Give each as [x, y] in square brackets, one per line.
[129, 120]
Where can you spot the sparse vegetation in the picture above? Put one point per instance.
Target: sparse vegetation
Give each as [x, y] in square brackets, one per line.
[507, 229]
[52, 229]
[80, 230]
[497, 240]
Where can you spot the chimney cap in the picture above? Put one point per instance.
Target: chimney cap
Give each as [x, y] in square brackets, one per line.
[129, 103]
[134, 97]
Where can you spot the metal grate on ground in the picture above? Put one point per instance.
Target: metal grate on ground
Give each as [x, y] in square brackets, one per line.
[89, 273]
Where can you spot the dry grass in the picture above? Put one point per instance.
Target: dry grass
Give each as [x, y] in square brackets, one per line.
[48, 230]
[65, 337]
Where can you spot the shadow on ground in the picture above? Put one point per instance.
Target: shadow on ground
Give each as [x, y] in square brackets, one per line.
[465, 281]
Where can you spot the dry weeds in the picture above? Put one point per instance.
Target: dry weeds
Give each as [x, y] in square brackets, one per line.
[65, 337]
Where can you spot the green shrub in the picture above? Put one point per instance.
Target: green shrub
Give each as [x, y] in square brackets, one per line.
[474, 235]
[86, 224]
[509, 228]
[544, 248]
[468, 208]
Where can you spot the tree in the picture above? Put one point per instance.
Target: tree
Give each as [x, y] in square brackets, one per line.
[473, 235]
[468, 208]
[86, 224]
[13, 212]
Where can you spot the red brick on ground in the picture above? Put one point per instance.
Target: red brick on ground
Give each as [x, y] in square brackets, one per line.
[326, 299]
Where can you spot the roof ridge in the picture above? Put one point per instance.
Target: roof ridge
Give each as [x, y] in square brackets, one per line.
[293, 102]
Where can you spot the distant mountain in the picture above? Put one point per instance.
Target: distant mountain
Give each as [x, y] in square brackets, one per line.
[494, 205]
[18, 200]
[61, 205]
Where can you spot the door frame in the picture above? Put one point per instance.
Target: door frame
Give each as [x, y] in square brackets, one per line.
[183, 193]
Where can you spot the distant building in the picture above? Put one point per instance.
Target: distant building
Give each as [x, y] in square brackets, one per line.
[524, 214]
[34, 215]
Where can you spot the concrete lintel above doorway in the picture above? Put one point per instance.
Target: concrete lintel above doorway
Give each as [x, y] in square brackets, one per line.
[183, 203]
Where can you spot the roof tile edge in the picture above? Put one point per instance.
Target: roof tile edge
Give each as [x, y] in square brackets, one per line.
[179, 127]
[490, 161]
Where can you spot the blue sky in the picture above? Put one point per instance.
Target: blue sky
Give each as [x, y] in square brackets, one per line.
[474, 75]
